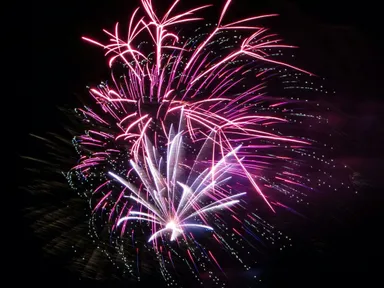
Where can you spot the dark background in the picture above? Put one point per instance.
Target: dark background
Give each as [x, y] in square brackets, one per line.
[49, 65]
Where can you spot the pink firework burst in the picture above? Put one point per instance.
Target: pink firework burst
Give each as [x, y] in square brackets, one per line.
[246, 153]
[217, 94]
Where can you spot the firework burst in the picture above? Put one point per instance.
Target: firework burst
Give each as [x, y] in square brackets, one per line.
[167, 206]
[191, 78]
[149, 187]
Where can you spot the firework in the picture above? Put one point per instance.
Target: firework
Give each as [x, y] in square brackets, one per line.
[153, 190]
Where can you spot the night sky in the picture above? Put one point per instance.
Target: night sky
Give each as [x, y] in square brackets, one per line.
[50, 66]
